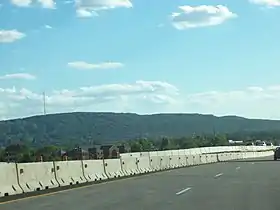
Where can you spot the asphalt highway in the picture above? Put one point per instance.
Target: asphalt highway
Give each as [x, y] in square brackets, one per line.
[235, 185]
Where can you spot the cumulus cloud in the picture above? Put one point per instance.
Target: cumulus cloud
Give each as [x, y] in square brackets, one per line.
[49, 4]
[89, 66]
[21, 3]
[25, 76]
[200, 16]
[8, 36]
[88, 8]
[82, 13]
[110, 97]
[143, 97]
[269, 3]
[255, 102]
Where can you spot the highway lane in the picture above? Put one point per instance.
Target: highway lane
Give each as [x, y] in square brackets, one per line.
[241, 185]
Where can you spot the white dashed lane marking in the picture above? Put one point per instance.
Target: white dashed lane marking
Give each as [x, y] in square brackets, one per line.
[183, 191]
[218, 175]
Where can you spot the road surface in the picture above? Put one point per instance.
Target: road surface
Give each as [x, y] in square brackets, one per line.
[236, 185]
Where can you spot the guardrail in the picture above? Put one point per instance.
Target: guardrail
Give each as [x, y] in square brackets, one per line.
[22, 178]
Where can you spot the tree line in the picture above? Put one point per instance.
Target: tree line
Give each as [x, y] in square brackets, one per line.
[26, 153]
[91, 128]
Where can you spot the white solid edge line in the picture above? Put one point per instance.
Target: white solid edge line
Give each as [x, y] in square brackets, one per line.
[183, 191]
[219, 175]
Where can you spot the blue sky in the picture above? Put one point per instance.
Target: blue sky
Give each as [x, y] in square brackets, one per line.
[142, 56]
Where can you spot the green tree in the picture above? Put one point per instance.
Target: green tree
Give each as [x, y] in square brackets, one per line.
[136, 146]
[49, 153]
[2, 155]
[17, 152]
[164, 143]
[26, 158]
[219, 140]
[186, 143]
[146, 145]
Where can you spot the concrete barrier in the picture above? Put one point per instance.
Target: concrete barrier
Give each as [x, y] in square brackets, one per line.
[229, 156]
[190, 160]
[212, 158]
[164, 162]
[113, 168]
[183, 161]
[129, 166]
[143, 164]
[132, 154]
[203, 159]
[9, 180]
[238, 156]
[36, 176]
[196, 160]
[144, 154]
[174, 161]
[27, 177]
[155, 163]
[222, 157]
[69, 172]
[94, 170]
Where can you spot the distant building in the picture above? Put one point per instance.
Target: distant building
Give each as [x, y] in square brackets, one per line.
[107, 151]
[78, 154]
[62, 154]
[110, 151]
[95, 153]
[124, 148]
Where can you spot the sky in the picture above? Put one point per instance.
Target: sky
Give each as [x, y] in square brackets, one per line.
[142, 56]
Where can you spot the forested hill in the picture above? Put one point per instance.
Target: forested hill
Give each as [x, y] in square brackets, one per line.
[104, 127]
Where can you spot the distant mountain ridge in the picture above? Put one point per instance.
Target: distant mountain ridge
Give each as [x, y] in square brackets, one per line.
[83, 127]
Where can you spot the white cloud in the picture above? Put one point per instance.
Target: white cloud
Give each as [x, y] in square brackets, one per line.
[85, 13]
[88, 66]
[88, 8]
[200, 16]
[25, 76]
[21, 3]
[49, 4]
[48, 27]
[254, 102]
[255, 89]
[68, 2]
[269, 3]
[109, 97]
[143, 97]
[8, 36]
